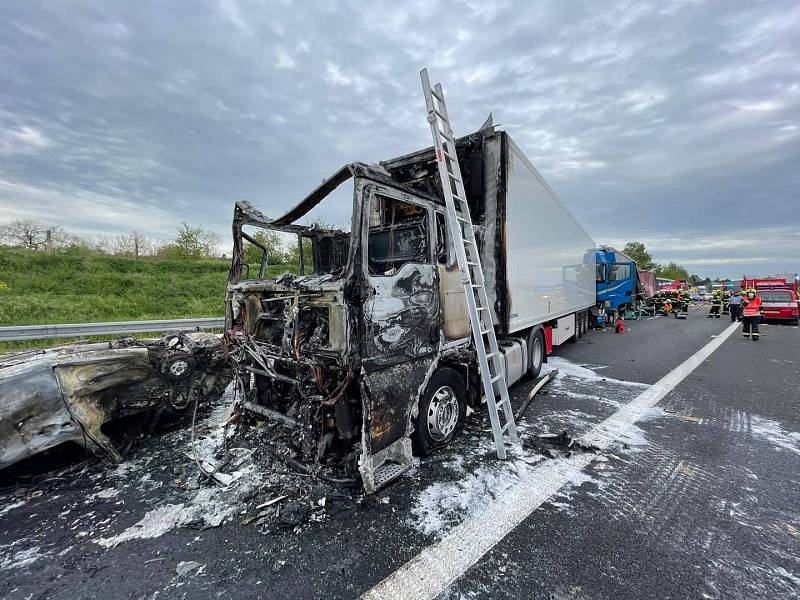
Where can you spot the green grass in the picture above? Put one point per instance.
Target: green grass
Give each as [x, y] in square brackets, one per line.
[82, 287]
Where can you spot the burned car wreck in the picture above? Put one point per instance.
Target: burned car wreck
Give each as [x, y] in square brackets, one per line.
[74, 393]
[365, 356]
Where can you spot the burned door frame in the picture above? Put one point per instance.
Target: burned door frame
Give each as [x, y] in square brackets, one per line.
[400, 346]
[407, 327]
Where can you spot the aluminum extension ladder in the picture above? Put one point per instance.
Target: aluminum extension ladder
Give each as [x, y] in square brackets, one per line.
[469, 263]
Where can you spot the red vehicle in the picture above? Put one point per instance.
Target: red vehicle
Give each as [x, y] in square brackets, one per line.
[779, 297]
[672, 284]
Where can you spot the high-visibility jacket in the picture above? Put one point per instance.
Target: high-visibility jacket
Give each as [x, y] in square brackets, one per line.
[752, 308]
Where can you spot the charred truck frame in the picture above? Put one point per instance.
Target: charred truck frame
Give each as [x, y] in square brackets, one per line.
[368, 356]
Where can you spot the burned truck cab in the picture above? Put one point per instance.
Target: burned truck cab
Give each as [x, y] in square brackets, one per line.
[340, 354]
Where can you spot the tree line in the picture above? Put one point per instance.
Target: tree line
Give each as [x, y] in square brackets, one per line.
[190, 241]
[672, 270]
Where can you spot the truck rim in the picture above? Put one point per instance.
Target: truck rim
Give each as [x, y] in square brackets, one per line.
[442, 413]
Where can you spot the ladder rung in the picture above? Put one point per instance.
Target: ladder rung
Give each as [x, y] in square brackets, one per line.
[485, 331]
[496, 378]
[481, 308]
[473, 264]
[438, 114]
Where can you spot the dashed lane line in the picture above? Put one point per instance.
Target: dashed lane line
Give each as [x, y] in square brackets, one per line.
[437, 566]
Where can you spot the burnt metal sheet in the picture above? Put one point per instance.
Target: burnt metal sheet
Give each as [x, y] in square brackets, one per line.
[69, 393]
[33, 415]
[399, 317]
[315, 197]
[392, 395]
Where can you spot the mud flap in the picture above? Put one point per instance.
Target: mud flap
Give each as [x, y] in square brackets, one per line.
[390, 399]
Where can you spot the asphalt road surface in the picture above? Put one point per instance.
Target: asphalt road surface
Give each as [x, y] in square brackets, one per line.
[690, 489]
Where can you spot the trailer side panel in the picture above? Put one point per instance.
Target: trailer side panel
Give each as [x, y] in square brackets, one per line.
[550, 263]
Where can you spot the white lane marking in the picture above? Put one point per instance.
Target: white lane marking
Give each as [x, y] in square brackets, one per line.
[439, 565]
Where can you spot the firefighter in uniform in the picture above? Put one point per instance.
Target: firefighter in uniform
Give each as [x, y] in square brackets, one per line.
[751, 314]
[667, 305]
[726, 303]
[683, 301]
[716, 304]
[656, 300]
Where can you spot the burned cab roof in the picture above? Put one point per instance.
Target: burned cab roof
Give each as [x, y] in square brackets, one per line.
[246, 214]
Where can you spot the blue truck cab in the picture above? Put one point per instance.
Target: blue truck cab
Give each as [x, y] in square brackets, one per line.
[617, 280]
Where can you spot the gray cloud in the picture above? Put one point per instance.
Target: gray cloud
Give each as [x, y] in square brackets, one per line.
[671, 122]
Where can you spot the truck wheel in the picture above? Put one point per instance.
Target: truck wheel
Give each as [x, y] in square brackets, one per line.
[536, 351]
[442, 410]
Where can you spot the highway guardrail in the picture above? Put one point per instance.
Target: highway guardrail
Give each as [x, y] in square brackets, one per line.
[43, 332]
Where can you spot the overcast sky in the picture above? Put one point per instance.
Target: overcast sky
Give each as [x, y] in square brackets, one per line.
[674, 123]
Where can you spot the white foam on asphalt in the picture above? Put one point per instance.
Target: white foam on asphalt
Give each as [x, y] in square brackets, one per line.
[444, 504]
[772, 432]
[570, 369]
[208, 506]
[21, 559]
[440, 564]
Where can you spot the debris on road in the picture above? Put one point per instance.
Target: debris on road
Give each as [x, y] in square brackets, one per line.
[292, 515]
[542, 382]
[556, 445]
[271, 502]
[187, 566]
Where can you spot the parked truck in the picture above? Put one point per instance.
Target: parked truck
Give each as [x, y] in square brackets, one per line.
[366, 355]
[617, 280]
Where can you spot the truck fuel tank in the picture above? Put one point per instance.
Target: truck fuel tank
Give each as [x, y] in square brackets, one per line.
[515, 359]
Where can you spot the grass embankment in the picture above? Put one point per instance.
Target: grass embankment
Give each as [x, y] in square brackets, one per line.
[81, 287]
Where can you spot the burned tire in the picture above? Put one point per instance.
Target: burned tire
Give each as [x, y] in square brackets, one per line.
[536, 353]
[442, 409]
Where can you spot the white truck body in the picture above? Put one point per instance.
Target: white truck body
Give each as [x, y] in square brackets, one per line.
[550, 260]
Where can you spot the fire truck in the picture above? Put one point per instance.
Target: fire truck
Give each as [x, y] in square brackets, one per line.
[779, 296]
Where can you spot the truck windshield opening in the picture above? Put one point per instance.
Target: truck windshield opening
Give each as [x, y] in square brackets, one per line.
[619, 272]
[398, 234]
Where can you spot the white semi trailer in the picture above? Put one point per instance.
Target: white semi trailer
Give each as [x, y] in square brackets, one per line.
[538, 260]
[369, 354]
